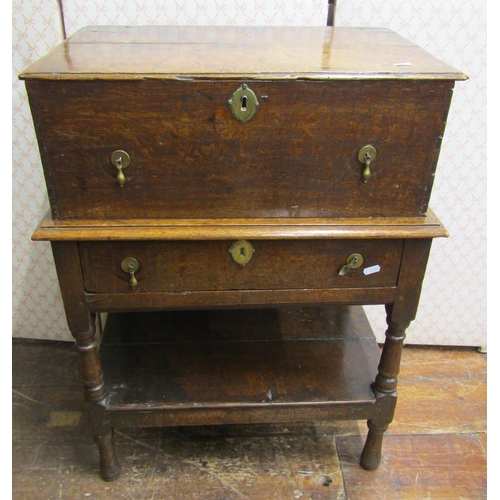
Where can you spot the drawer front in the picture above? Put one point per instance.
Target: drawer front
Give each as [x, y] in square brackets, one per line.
[176, 266]
[189, 157]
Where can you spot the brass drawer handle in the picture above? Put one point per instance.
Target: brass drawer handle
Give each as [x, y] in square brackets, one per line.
[120, 159]
[354, 261]
[367, 155]
[130, 266]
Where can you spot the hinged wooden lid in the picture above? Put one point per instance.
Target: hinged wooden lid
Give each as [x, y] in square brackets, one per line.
[194, 52]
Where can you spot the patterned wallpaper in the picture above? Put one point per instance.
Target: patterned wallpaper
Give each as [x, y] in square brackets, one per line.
[453, 305]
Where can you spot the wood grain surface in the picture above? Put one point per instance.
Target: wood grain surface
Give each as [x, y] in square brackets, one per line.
[273, 360]
[150, 301]
[427, 226]
[190, 158]
[110, 89]
[416, 467]
[176, 266]
[241, 52]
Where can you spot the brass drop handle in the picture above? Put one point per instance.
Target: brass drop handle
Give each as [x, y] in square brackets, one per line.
[367, 155]
[120, 159]
[354, 261]
[130, 266]
[120, 177]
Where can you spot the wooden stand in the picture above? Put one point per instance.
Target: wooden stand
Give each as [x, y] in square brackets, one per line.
[241, 365]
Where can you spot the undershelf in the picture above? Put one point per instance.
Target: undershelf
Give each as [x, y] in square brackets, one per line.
[228, 366]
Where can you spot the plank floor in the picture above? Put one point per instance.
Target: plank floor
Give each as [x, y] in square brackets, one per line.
[435, 448]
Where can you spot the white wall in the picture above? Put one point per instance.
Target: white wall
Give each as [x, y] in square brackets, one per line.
[453, 304]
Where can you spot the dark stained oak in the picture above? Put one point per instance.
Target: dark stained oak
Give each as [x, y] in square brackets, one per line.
[298, 157]
[177, 266]
[275, 369]
[399, 316]
[236, 298]
[240, 325]
[183, 346]
[83, 327]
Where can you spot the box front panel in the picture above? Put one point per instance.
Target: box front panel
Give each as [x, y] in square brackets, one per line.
[298, 156]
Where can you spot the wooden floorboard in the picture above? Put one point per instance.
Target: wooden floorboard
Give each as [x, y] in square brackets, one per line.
[435, 448]
[433, 466]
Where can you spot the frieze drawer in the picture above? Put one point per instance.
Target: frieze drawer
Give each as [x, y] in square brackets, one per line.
[172, 266]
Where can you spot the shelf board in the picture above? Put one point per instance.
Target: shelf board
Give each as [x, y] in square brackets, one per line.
[208, 367]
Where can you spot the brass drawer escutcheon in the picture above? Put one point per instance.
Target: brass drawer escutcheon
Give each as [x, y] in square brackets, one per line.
[242, 252]
[243, 103]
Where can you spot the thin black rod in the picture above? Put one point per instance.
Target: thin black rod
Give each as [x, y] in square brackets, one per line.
[61, 18]
[330, 19]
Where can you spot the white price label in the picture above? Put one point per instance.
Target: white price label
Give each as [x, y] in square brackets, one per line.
[371, 270]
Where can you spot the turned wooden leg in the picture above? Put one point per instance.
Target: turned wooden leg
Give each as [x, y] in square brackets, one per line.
[95, 393]
[82, 326]
[110, 467]
[399, 316]
[384, 388]
[372, 451]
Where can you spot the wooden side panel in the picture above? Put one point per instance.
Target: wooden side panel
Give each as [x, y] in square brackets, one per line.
[298, 157]
[69, 273]
[411, 276]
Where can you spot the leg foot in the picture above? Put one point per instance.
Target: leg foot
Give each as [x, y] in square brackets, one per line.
[372, 451]
[384, 389]
[110, 467]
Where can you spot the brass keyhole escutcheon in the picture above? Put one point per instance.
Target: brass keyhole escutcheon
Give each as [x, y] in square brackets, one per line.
[354, 261]
[242, 252]
[367, 155]
[130, 266]
[243, 103]
[120, 159]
